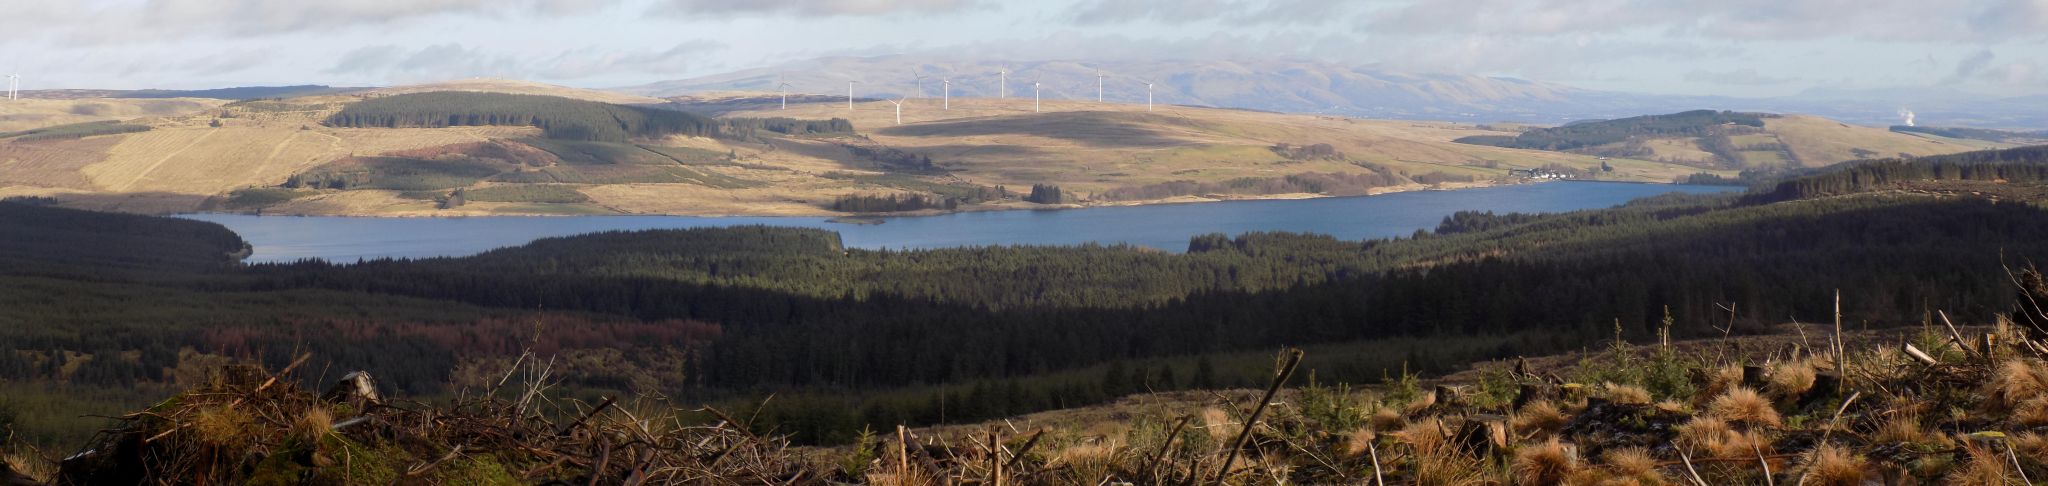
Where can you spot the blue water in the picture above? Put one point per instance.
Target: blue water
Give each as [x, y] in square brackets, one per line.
[1166, 227]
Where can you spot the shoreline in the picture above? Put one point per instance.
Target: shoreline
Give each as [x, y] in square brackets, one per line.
[864, 218]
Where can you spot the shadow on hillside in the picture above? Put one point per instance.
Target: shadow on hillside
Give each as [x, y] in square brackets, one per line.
[1096, 129]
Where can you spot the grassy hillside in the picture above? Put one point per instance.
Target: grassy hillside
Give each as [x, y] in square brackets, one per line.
[1730, 140]
[508, 86]
[809, 158]
[1089, 148]
[801, 161]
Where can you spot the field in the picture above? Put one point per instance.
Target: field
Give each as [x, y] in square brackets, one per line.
[37, 113]
[1087, 149]
[1820, 141]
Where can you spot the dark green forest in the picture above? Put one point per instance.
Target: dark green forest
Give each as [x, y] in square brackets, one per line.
[1696, 123]
[1966, 133]
[562, 118]
[74, 130]
[558, 118]
[95, 303]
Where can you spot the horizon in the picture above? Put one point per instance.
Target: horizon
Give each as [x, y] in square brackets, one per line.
[1742, 50]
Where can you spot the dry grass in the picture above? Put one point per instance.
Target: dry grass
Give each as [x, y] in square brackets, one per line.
[1983, 465]
[1625, 394]
[1387, 420]
[313, 424]
[1540, 416]
[1745, 406]
[1791, 379]
[1835, 466]
[1543, 464]
[2015, 382]
[1088, 463]
[1631, 461]
[1900, 427]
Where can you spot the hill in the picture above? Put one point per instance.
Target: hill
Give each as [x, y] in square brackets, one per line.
[1728, 140]
[1979, 134]
[1366, 91]
[983, 153]
[545, 154]
[508, 86]
[1285, 86]
[33, 113]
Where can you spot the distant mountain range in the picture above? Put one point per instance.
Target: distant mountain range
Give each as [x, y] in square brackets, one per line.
[1361, 91]
[235, 93]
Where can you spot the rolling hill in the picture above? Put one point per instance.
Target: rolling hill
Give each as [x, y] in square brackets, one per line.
[334, 154]
[1366, 91]
[1731, 140]
[1286, 86]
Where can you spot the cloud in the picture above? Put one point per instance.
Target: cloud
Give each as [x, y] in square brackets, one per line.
[583, 63]
[1969, 66]
[1740, 20]
[1241, 12]
[1739, 77]
[455, 60]
[814, 8]
[86, 21]
[366, 59]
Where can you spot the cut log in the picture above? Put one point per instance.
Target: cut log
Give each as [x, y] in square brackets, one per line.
[1753, 376]
[1447, 396]
[355, 388]
[1484, 433]
[1920, 355]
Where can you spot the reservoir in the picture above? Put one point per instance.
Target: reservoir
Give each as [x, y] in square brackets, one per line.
[1165, 227]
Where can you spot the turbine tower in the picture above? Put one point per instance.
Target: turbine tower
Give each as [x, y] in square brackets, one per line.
[899, 108]
[1148, 97]
[783, 87]
[849, 95]
[920, 82]
[1003, 84]
[1034, 96]
[947, 94]
[1098, 86]
[13, 87]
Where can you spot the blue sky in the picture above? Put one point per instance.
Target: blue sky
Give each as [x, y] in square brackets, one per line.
[1728, 47]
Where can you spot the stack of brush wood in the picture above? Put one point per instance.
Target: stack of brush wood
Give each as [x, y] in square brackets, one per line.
[252, 427]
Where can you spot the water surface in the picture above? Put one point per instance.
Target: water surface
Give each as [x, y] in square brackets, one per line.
[1166, 227]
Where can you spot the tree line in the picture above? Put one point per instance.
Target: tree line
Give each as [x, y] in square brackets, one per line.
[1696, 123]
[557, 117]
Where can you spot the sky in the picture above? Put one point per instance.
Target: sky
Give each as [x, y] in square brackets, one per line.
[1751, 48]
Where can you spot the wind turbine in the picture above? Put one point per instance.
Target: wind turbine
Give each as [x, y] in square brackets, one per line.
[13, 87]
[1098, 86]
[920, 82]
[1148, 97]
[947, 94]
[1034, 96]
[783, 87]
[899, 108]
[1003, 86]
[849, 95]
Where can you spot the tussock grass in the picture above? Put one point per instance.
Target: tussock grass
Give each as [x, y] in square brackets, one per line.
[1745, 406]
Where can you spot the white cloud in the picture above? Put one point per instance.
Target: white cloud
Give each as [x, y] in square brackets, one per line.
[1741, 20]
[814, 8]
[113, 21]
[455, 60]
[1238, 12]
[1738, 77]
